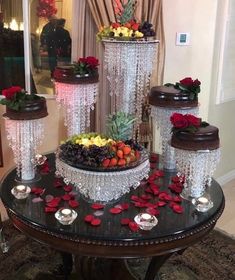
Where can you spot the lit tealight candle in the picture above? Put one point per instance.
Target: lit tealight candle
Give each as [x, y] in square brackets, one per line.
[66, 213]
[203, 200]
[146, 217]
[21, 188]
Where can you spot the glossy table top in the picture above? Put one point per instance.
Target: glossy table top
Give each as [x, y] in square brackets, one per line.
[169, 222]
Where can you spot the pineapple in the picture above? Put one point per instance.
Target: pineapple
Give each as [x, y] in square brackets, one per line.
[119, 126]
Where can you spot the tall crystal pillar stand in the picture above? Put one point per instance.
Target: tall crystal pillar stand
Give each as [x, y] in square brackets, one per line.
[197, 167]
[24, 137]
[161, 118]
[78, 100]
[129, 66]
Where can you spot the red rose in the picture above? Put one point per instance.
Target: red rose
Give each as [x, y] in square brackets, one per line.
[10, 92]
[192, 120]
[186, 82]
[196, 83]
[179, 120]
[92, 61]
[82, 60]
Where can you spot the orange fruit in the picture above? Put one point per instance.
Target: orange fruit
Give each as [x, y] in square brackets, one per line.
[113, 162]
[121, 162]
[105, 162]
[126, 150]
[120, 153]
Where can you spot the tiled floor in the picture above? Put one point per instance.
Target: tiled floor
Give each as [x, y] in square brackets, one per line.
[226, 223]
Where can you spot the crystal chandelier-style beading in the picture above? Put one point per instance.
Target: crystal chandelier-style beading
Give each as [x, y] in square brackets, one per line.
[161, 117]
[129, 65]
[198, 168]
[24, 137]
[78, 100]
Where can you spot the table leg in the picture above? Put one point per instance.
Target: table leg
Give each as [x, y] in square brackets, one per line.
[154, 266]
[64, 269]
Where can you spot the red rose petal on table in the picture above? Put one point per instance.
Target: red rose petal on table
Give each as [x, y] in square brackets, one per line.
[152, 165]
[96, 222]
[115, 210]
[97, 206]
[37, 199]
[57, 183]
[155, 189]
[153, 158]
[50, 209]
[171, 204]
[68, 188]
[178, 208]
[133, 226]
[66, 197]
[37, 190]
[49, 198]
[151, 179]
[153, 211]
[162, 195]
[175, 179]
[135, 198]
[140, 204]
[159, 173]
[150, 205]
[146, 196]
[148, 190]
[73, 203]
[125, 221]
[52, 204]
[161, 203]
[125, 206]
[177, 199]
[168, 197]
[89, 218]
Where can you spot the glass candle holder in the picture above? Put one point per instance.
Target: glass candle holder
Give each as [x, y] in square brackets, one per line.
[146, 221]
[66, 216]
[21, 191]
[202, 203]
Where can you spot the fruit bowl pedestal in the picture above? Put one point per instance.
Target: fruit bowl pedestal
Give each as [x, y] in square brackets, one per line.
[103, 186]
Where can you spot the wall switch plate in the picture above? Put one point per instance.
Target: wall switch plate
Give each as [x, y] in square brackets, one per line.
[182, 38]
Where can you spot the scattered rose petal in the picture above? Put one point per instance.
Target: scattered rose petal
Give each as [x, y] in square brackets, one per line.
[118, 206]
[133, 226]
[68, 188]
[177, 208]
[37, 199]
[115, 210]
[148, 190]
[125, 206]
[53, 204]
[153, 211]
[98, 213]
[177, 188]
[151, 205]
[177, 199]
[155, 189]
[66, 197]
[152, 165]
[73, 203]
[135, 198]
[89, 218]
[125, 221]
[175, 179]
[37, 190]
[49, 198]
[50, 210]
[140, 204]
[97, 206]
[146, 196]
[96, 222]
[162, 195]
[153, 158]
[161, 203]
[57, 183]
[159, 173]
[168, 197]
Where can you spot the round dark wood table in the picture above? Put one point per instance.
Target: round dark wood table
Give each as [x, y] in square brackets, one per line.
[111, 240]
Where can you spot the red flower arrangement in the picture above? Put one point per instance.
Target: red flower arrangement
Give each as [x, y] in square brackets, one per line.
[186, 122]
[46, 8]
[188, 85]
[15, 97]
[86, 65]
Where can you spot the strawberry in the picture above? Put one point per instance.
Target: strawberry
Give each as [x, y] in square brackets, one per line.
[121, 162]
[126, 150]
[120, 153]
[120, 144]
[105, 162]
[113, 162]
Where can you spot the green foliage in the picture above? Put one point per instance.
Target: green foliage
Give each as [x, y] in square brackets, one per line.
[119, 126]
[128, 11]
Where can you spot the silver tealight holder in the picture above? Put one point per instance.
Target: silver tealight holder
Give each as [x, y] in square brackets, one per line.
[66, 216]
[146, 221]
[21, 191]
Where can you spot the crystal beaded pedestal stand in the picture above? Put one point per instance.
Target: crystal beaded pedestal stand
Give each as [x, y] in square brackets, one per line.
[129, 65]
[78, 100]
[24, 136]
[198, 168]
[161, 117]
[103, 186]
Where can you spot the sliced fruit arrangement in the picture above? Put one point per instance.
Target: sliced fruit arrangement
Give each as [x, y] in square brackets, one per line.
[96, 150]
